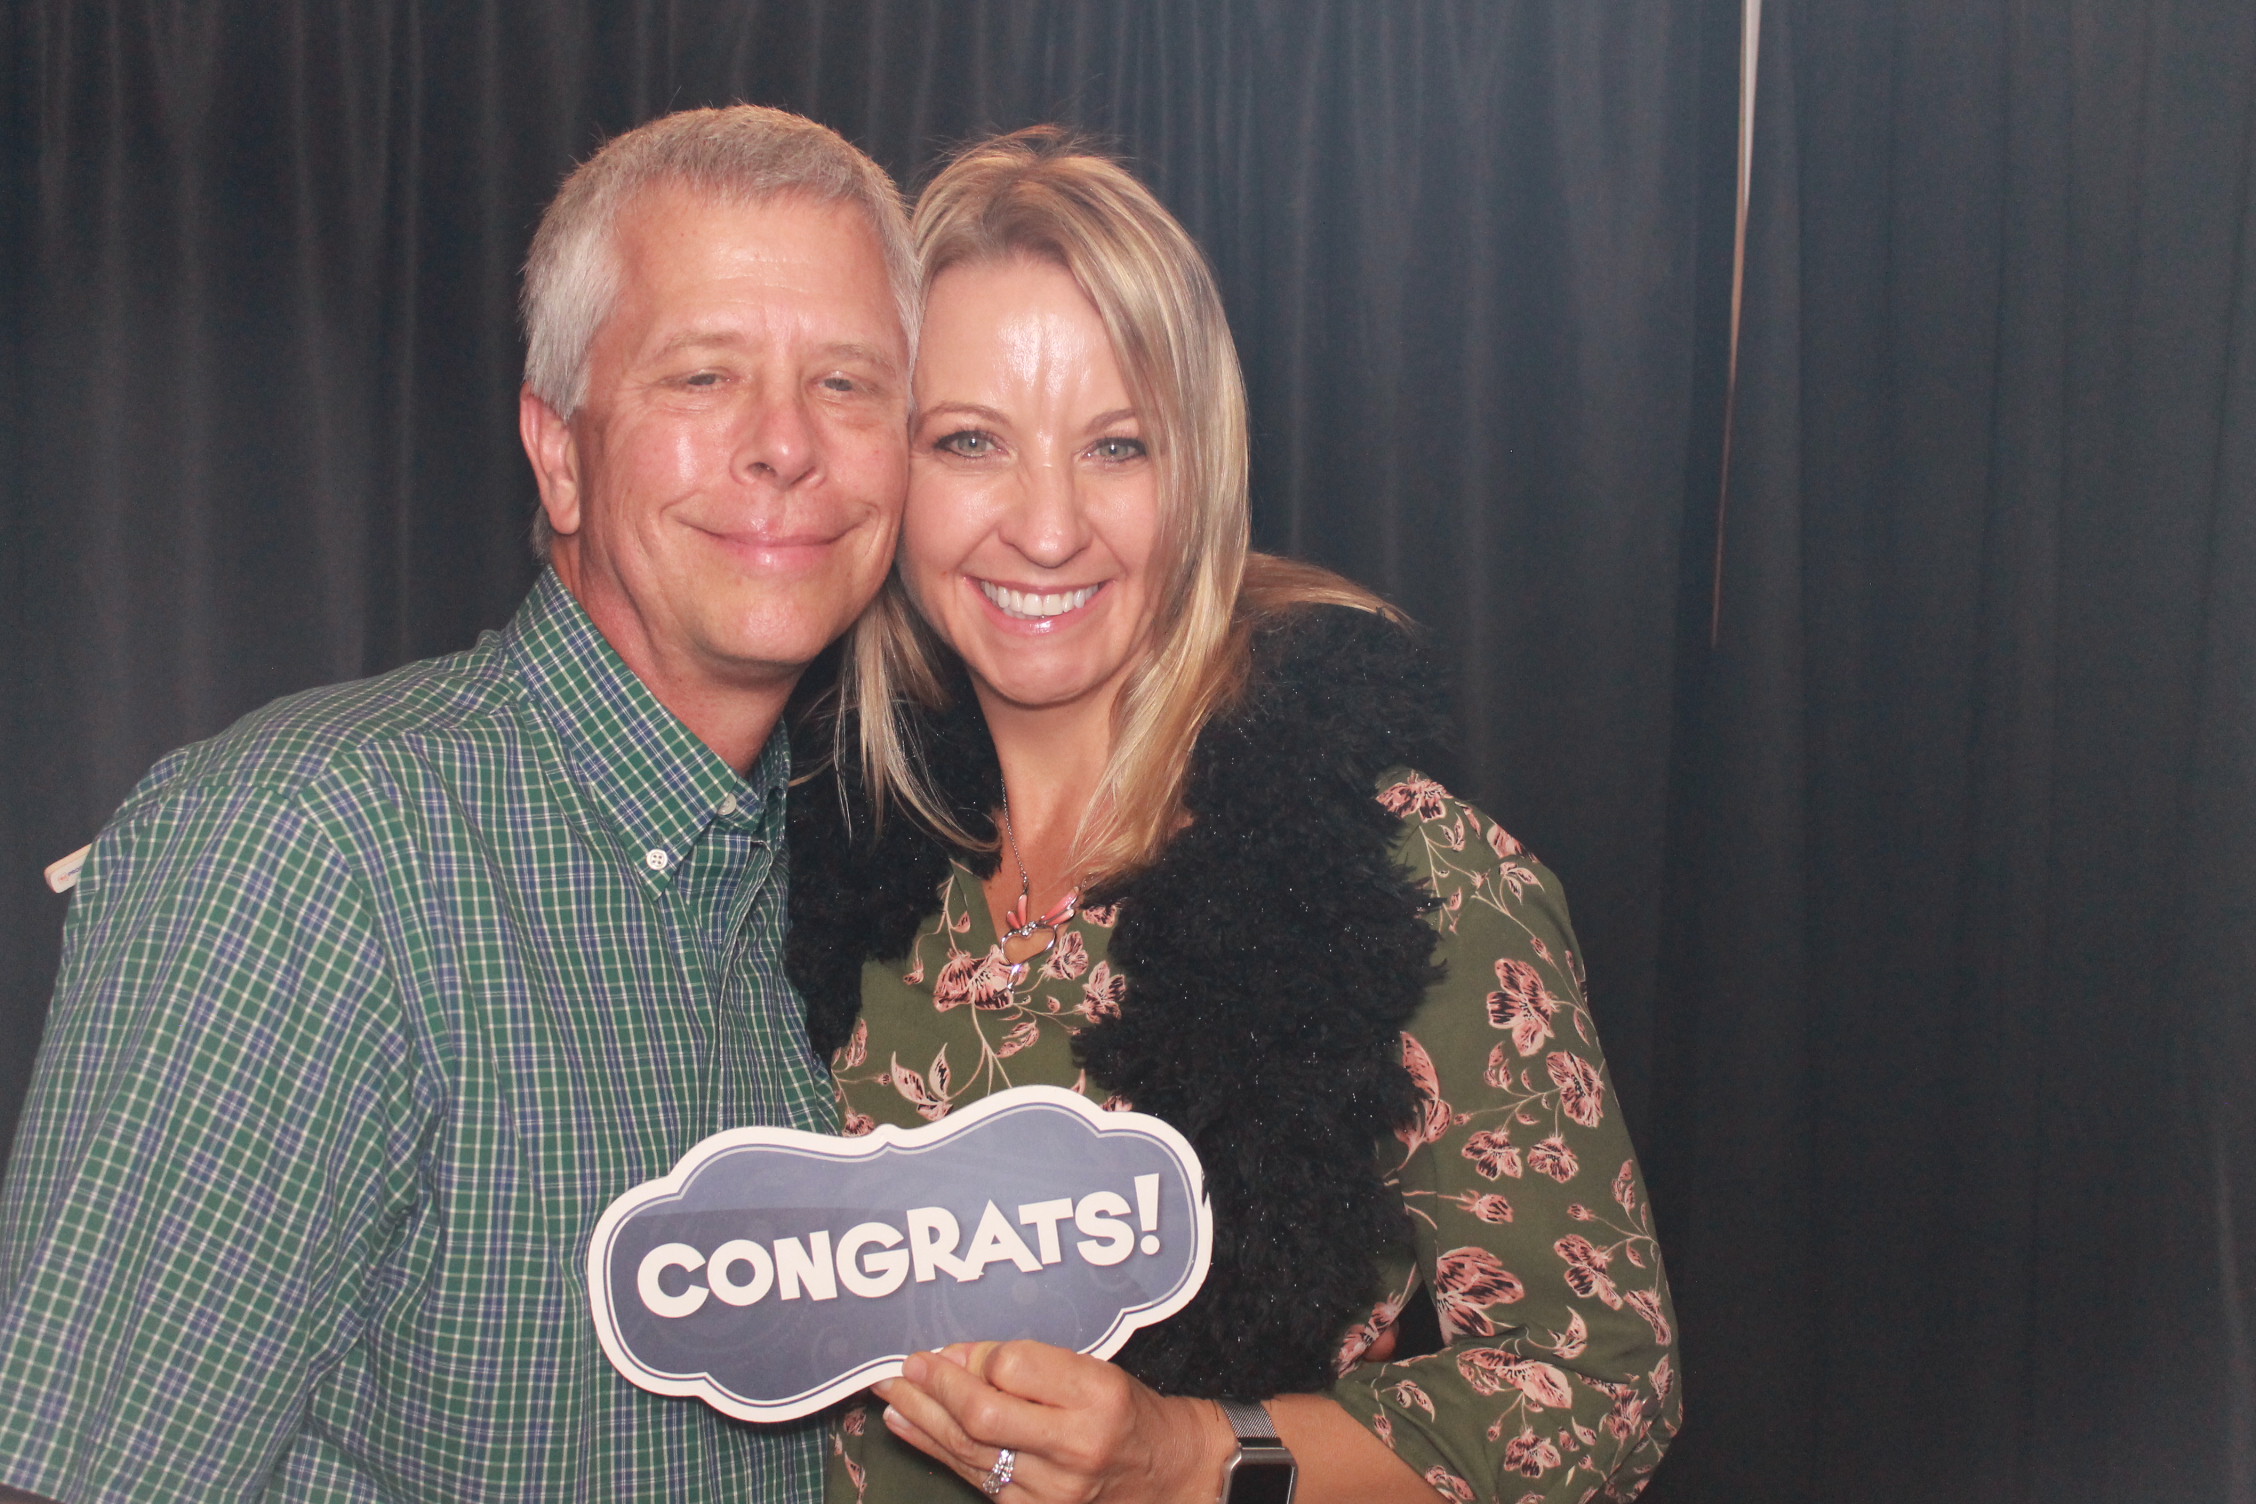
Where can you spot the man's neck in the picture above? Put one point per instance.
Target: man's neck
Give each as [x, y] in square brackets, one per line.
[734, 716]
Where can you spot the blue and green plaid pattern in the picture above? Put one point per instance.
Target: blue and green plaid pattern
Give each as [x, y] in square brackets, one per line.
[367, 1008]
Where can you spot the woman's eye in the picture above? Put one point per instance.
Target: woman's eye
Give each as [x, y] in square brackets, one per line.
[1117, 449]
[970, 443]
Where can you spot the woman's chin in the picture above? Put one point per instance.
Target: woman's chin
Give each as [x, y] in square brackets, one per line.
[1041, 690]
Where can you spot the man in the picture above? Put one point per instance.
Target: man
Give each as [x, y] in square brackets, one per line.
[370, 1005]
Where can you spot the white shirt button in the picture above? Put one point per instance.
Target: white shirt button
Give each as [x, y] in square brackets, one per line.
[728, 804]
[656, 860]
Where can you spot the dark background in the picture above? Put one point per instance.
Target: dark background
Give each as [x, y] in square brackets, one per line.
[1921, 900]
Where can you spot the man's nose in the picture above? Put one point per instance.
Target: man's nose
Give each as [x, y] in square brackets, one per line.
[780, 443]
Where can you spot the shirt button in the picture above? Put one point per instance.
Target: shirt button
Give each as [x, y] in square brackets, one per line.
[728, 804]
[656, 860]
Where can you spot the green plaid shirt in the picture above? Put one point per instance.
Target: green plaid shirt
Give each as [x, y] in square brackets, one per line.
[367, 1008]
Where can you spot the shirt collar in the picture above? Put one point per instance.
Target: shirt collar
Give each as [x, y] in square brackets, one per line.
[647, 771]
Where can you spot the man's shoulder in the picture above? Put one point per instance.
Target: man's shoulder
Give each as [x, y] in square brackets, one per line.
[289, 745]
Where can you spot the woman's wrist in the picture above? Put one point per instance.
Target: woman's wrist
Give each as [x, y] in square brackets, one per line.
[1212, 1445]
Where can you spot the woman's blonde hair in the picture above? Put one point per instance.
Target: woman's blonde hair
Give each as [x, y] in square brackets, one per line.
[1041, 193]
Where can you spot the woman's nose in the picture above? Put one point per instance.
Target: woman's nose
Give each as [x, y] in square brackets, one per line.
[1049, 525]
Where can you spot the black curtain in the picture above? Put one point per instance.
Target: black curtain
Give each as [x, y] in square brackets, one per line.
[1921, 900]
[1959, 1057]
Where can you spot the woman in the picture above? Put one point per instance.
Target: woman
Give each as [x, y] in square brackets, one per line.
[1119, 806]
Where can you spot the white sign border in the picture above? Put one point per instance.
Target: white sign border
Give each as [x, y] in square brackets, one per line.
[884, 1136]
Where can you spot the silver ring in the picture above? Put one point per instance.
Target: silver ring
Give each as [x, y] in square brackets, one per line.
[999, 1476]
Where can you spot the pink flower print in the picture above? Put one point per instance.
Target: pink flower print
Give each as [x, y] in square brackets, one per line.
[1067, 959]
[1492, 1153]
[1521, 1004]
[1586, 1269]
[991, 982]
[1582, 1092]
[1432, 1118]
[1489, 1208]
[1490, 1369]
[1531, 1455]
[1022, 1034]
[1500, 841]
[1483, 1368]
[1410, 1396]
[1101, 995]
[1447, 1484]
[1647, 1303]
[930, 1104]
[1552, 1157]
[952, 988]
[1625, 1186]
[1544, 1386]
[1574, 1339]
[1467, 1281]
[1416, 795]
[1625, 1418]
[855, 1050]
[1664, 1379]
[1364, 1334]
[1382, 1425]
[1103, 915]
[855, 1124]
[1353, 1346]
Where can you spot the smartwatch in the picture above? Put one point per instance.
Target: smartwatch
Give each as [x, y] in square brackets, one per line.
[1263, 1472]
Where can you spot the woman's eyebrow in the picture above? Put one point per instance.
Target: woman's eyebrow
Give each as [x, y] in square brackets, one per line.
[962, 409]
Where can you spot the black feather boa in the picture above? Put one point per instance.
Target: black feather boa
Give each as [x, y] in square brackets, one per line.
[1274, 954]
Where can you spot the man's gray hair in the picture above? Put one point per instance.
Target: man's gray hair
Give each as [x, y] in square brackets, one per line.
[745, 153]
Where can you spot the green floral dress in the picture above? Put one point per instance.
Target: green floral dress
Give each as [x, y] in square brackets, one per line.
[1556, 1382]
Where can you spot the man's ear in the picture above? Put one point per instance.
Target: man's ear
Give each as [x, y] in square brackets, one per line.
[556, 460]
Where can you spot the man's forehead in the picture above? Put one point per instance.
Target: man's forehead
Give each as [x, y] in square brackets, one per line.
[677, 214]
[690, 255]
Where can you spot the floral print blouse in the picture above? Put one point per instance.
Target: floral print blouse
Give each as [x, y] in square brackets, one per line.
[1557, 1380]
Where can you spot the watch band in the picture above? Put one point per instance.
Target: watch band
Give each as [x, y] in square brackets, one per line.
[1263, 1471]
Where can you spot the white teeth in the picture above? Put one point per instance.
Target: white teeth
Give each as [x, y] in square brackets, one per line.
[1031, 607]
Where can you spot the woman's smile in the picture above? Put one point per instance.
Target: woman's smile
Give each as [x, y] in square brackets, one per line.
[1031, 605]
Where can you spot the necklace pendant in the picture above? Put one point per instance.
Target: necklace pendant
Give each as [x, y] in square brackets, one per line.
[1025, 942]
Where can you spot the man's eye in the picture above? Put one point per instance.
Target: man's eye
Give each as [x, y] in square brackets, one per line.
[1118, 448]
[838, 383]
[703, 379]
[970, 443]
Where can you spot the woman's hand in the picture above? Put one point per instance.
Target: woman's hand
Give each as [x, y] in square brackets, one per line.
[1081, 1429]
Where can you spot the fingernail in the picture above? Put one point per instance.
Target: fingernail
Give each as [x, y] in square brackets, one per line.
[914, 1368]
[883, 1389]
[893, 1420]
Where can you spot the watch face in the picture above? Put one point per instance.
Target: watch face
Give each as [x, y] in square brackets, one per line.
[1256, 1481]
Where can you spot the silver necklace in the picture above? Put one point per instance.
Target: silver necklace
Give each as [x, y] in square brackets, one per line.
[1025, 936]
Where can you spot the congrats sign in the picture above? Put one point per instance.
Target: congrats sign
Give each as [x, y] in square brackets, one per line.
[773, 1272]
